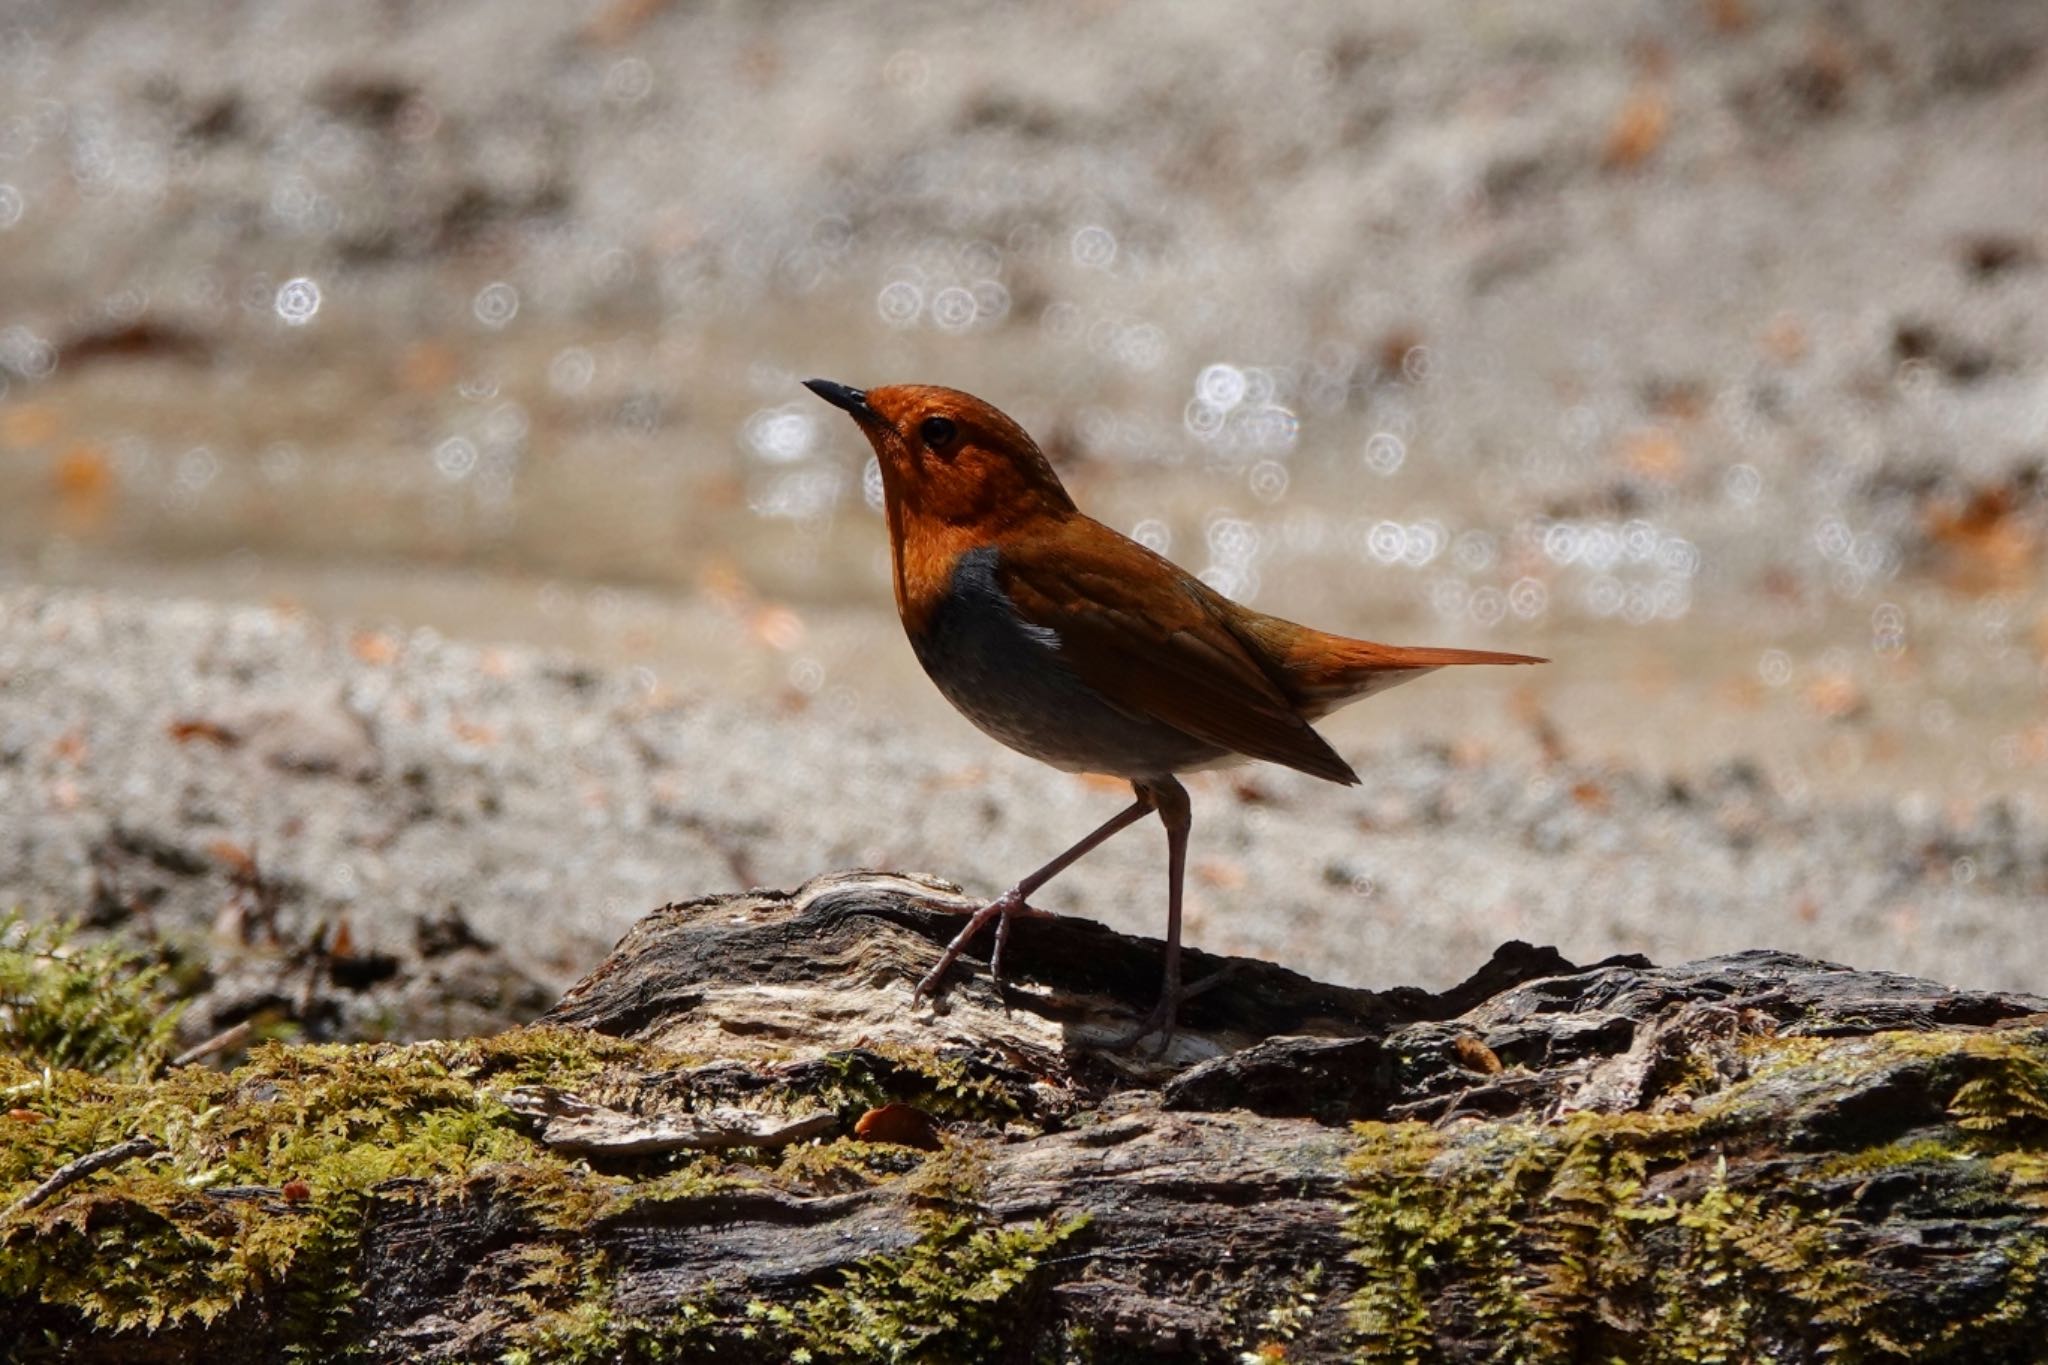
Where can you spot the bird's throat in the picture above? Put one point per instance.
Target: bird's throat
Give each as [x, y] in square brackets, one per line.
[925, 550]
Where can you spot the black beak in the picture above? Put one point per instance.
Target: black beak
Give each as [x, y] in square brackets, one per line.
[840, 396]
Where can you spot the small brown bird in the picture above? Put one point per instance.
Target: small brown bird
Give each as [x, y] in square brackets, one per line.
[1085, 650]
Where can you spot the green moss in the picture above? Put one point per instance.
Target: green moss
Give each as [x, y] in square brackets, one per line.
[2017, 1314]
[953, 1296]
[1870, 1161]
[146, 1246]
[87, 1007]
[946, 1087]
[845, 1165]
[1604, 1236]
[1743, 1259]
[2005, 1096]
[1285, 1316]
[584, 1327]
[267, 1178]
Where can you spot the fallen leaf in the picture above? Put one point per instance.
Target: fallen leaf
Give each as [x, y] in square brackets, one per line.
[721, 581]
[778, 628]
[470, 732]
[1474, 1055]
[1728, 16]
[239, 861]
[1654, 453]
[1251, 792]
[956, 778]
[1638, 130]
[903, 1124]
[83, 473]
[1394, 348]
[374, 646]
[185, 731]
[1988, 546]
[1836, 696]
[140, 339]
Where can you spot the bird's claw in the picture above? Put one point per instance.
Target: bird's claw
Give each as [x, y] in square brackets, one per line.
[1002, 909]
[1164, 1019]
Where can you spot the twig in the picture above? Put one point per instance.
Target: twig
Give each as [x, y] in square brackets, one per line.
[227, 1040]
[71, 1172]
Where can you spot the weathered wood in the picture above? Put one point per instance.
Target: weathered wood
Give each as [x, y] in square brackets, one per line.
[1753, 1157]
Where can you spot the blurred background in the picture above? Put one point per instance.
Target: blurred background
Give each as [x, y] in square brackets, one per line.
[412, 530]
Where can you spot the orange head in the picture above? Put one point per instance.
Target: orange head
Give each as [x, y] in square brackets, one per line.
[949, 459]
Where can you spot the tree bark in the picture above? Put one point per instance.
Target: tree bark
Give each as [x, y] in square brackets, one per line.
[738, 1135]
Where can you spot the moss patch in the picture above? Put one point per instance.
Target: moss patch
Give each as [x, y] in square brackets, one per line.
[945, 1086]
[954, 1296]
[1695, 1236]
[268, 1178]
[260, 1194]
[958, 1293]
[99, 1008]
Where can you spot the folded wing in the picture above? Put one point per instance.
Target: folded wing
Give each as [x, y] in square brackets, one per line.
[1157, 644]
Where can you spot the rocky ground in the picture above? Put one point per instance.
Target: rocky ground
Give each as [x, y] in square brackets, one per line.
[364, 833]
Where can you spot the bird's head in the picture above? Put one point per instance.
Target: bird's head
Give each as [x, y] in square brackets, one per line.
[948, 457]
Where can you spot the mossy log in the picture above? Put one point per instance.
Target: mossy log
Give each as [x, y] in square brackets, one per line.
[736, 1136]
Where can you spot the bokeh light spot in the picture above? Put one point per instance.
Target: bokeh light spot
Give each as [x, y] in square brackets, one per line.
[297, 301]
[495, 304]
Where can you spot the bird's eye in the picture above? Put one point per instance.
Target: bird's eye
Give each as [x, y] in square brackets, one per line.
[937, 431]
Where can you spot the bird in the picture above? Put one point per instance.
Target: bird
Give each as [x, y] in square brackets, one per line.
[1076, 645]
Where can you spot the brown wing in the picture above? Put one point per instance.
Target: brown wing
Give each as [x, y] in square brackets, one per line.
[1150, 639]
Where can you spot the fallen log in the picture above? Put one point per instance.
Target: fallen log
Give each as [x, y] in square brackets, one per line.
[736, 1136]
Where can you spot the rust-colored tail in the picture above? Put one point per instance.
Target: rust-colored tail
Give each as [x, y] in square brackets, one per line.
[1323, 672]
[1363, 656]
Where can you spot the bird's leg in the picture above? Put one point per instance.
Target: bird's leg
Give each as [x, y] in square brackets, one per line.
[1171, 799]
[1011, 902]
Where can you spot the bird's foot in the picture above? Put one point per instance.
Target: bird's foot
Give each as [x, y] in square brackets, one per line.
[1164, 1019]
[1003, 909]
